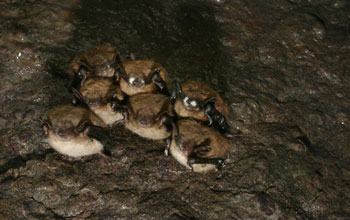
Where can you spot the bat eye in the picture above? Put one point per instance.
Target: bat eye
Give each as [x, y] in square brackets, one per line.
[60, 133]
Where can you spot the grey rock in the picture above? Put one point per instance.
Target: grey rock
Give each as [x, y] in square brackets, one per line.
[282, 66]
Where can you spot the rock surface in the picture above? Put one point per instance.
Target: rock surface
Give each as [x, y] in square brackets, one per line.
[283, 67]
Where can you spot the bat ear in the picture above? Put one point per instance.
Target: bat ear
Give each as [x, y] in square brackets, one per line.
[203, 148]
[83, 127]
[177, 91]
[211, 100]
[82, 75]
[156, 79]
[45, 126]
[77, 94]
[165, 108]
[86, 131]
[84, 66]
[119, 71]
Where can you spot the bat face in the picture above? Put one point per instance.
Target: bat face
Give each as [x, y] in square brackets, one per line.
[197, 100]
[198, 147]
[103, 97]
[141, 76]
[97, 91]
[75, 147]
[193, 96]
[150, 115]
[100, 61]
[63, 132]
[67, 131]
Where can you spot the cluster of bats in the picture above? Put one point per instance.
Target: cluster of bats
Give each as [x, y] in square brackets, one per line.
[110, 91]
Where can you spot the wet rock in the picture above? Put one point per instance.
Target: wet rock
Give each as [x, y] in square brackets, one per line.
[282, 67]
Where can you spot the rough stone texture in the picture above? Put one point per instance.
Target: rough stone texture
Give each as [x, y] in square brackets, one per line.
[283, 67]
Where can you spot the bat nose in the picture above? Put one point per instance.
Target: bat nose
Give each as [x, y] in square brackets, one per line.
[63, 133]
[138, 82]
[93, 103]
[143, 121]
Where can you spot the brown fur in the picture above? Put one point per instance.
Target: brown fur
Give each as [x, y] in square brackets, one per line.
[132, 90]
[100, 91]
[75, 143]
[154, 131]
[199, 91]
[141, 69]
[193, 134]
[99, 88]
[75, 147]
[149, 103]
[67, 115]
[106, 113]
[149, 106]
[182, 111]
[95, 56]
